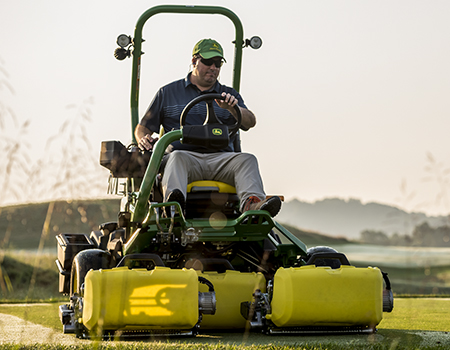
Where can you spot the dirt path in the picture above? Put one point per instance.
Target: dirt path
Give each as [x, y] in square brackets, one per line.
[15, 330]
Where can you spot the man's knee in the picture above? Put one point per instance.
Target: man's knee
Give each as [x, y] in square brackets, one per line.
[245, 164]
[175, 155]
[248, 158]
[178, 157]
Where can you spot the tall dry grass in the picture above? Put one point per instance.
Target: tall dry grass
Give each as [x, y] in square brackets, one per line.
[438, 173]
[68, 169]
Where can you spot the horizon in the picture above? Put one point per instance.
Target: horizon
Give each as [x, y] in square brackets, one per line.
[118, 198]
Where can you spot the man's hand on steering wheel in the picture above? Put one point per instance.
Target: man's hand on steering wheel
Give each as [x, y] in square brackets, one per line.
[228, 102]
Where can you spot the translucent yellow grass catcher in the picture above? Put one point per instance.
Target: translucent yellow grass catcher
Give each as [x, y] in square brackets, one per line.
[322, 296]
[140, 299]
[232, 288]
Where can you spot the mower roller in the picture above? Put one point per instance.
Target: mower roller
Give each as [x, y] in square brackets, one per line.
[160, 270]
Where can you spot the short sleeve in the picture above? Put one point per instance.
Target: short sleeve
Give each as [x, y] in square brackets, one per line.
[153, 116]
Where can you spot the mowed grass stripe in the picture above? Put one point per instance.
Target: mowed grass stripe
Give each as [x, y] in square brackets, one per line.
[418, 314]
[409, 314]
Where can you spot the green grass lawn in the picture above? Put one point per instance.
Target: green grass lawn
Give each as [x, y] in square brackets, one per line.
[408, 314]
[418, 314]
[413, 322]
[44, 314]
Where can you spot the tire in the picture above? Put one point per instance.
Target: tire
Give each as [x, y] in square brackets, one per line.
[326, 256]
[84, 261]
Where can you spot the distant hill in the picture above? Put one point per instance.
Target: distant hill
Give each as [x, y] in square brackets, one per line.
[21, 225]
[347, 218]
[312, 239]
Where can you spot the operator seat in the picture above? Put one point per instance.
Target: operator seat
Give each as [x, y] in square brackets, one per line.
[207, 197]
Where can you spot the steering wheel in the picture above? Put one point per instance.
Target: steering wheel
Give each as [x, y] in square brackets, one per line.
[211, 117]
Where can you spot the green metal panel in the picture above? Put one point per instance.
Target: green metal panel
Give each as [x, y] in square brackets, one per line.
[252, 225]
[292, 238]
[141, 209]
[137, 51]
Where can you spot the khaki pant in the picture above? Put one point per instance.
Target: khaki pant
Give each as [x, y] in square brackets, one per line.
[237, 169]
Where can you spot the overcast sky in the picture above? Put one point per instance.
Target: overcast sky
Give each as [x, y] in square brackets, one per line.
[351, 97]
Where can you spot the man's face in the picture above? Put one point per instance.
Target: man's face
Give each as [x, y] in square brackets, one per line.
[207, 70]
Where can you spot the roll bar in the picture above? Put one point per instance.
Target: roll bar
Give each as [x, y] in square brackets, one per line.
[137, 51]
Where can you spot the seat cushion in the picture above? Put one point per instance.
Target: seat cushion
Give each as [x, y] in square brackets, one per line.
[210, 186]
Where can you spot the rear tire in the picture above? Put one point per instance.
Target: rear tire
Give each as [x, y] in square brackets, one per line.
[89, 259]
[326, 256]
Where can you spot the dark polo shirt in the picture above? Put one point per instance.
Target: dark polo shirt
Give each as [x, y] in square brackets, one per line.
[169, 102]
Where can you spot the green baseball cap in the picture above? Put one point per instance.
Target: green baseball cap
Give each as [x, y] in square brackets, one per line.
[208, 48]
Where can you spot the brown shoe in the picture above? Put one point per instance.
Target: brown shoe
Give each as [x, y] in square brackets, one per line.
[272, 204]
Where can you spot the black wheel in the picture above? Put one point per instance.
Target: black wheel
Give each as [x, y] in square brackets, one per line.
[84, 261]
[326, 256]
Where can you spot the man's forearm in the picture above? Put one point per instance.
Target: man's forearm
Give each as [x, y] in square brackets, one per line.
[248, 118]
[144, 137]
[141, 131]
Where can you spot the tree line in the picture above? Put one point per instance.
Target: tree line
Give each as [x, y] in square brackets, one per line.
[423, 235]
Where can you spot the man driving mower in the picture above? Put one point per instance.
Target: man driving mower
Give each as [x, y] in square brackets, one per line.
[188, 163]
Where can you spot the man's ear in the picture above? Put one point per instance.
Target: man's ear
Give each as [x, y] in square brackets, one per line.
[194, 61]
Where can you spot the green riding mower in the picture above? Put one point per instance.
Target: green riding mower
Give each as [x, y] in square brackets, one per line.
[161, 270]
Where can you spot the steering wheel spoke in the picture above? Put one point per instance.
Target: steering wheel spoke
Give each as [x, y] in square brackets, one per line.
[211, 116]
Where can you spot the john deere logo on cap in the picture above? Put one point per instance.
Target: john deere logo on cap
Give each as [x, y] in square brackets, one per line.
[216, 47]
[217, 132]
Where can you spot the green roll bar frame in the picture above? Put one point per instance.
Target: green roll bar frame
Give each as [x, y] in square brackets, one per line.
[158, 151]
[141, 204]
[137, 51]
